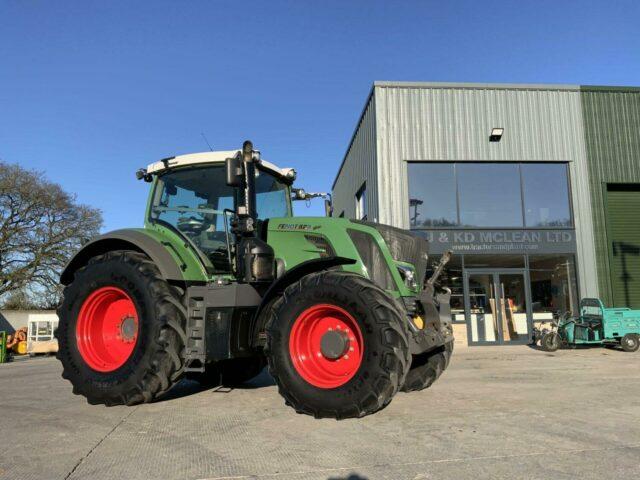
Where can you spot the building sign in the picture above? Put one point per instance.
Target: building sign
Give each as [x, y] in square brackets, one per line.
[500, 241]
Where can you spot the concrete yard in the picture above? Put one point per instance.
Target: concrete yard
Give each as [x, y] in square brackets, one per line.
[498, 412]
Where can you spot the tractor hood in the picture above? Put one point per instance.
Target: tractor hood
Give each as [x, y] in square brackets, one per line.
[404, 246]
[379, 250]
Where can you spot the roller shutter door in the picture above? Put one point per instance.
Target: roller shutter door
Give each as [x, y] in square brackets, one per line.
[623, 229]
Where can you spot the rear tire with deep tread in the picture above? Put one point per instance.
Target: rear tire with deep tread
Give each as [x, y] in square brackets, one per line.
[157, 360]
[427, 367]
[385, 360]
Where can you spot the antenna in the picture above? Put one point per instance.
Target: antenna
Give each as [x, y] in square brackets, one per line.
[207, 141]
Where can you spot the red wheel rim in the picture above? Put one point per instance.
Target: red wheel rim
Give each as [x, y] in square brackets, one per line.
[305, 346]
[107, 329]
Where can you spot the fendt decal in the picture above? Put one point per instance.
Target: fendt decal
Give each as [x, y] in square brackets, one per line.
[297, 226]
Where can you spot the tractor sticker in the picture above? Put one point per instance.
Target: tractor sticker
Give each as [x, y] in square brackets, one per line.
[297, 226]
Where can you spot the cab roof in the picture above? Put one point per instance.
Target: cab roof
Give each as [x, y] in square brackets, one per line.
[209, 157]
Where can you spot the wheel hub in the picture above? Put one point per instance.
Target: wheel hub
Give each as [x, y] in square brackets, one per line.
[334, 344]
[107, 329]
[128, 329]
[326, 346]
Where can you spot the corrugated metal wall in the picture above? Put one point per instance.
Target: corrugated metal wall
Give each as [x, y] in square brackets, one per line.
[612, 129]
[359, 166]
[452, 123]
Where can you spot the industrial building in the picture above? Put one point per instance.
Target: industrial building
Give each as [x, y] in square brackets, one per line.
[536, 189]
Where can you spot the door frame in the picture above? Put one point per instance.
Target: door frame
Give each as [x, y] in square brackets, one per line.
[495, 274]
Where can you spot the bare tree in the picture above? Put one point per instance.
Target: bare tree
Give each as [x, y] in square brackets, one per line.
[41, 226]
[21, 300]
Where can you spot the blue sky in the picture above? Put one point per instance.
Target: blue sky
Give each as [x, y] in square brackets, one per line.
[92, 90]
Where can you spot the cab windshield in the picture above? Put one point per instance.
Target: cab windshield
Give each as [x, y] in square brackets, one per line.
[198, 203]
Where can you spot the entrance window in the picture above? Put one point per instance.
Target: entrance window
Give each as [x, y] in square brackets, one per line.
[546, 195]
[489, 194]
[432, 190]
[553, 286]
[494, 261]
[500, 297]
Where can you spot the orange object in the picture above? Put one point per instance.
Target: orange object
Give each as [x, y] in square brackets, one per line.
[20, 335]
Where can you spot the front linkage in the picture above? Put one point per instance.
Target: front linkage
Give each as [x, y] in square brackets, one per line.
[431, 331]
[435, 301]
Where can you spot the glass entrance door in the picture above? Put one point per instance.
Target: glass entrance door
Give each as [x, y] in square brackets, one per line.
[482, 317]
[513, 307]
[496, 306]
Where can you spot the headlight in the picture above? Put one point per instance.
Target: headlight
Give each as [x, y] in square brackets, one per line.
[408, 276]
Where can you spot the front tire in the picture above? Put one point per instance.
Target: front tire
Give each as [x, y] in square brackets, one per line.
[337, 346]
[427, 367]
[550, 341]
[121, 332]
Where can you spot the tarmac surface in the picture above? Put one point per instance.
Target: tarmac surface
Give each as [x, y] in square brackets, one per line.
[497, 412]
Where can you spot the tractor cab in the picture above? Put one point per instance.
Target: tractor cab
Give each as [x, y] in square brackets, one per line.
[191, 197]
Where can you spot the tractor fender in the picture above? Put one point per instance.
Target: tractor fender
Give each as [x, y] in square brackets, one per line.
[125, 239]
[292, 276]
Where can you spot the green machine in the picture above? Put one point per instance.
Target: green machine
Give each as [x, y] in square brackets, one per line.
[3, 347]
[596, 325]
[223, 279]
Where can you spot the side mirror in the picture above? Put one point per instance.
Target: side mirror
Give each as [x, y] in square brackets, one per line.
[235, 171]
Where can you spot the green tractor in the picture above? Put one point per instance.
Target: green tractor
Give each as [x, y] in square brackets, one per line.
[223, 279]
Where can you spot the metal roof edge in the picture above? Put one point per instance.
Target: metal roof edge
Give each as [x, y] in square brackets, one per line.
[355, 132]
[478, 86]
[609, 88]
